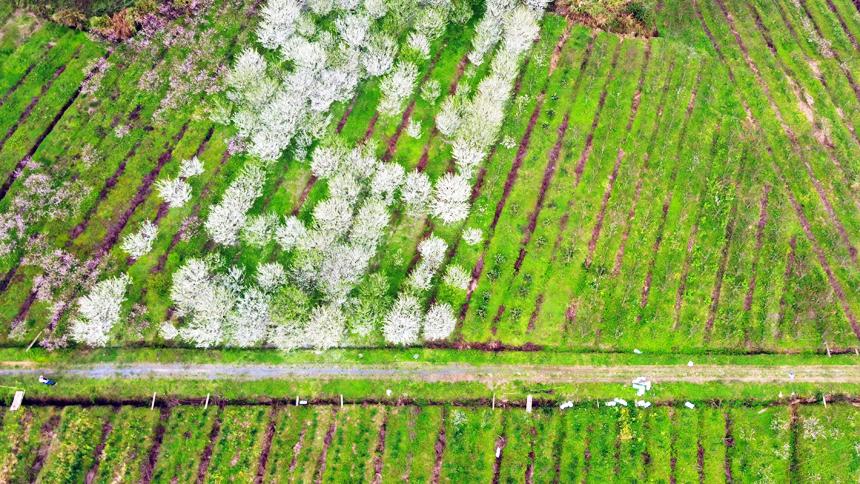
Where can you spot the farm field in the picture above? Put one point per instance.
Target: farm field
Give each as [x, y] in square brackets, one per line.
[692, 191]
[377, 443]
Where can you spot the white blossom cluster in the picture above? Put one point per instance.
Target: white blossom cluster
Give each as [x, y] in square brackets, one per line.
[227, 218]
[99, 311]
[274, 104]
[177, 191]
[140, 242]
[280, 100]
[333, 252]
[217, 307]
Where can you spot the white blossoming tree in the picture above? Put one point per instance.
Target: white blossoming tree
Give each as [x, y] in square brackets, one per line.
[432, 250]
[451, 198]
[416, 193]
[227, 218]
[439, 322]
[326, 327]
[99, 311]
[140, 242]
[403, 322]
[175, 191]
[271, 276]
[396, 88]
[278, 22]
[457, 277]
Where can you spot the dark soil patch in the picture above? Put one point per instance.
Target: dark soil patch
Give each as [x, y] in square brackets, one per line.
[329, 436]
[501, 441]
[729, 442]
[48, 433]
[379, 451]
[155, 450]
[267, 445]
[598, 224]
[439, 447]
[99, 450]
[548, 175]
[206, 457]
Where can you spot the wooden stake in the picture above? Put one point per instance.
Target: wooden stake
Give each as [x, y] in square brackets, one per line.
[206, 405]
[494, 401]
[824, 399]
[341, 401]
[856, 351]
[529, 404]
[297, 400]
[152, 405]
[34, 340]
[828, 349]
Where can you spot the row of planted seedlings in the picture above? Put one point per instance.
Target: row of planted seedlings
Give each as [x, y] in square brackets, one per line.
[804, 293]
[797, 166]
[674, 175]
[785, 260]
[576, 245]
[552, 170]
[367, 442]
[490, 177]
[20, 52]
[794, 107]
[30, 106]
[133, 150]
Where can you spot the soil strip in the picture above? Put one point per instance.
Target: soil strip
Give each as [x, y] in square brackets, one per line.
[379, 451]
[98, 453]
[206, 457]
[47, 433]
[329, 436]
[441, 442]
[155, 450]
[267, 445]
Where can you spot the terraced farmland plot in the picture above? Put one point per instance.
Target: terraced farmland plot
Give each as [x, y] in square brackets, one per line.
[393, 176]
[436, 444]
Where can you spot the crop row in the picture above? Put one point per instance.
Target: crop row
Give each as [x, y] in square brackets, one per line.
[430, 443]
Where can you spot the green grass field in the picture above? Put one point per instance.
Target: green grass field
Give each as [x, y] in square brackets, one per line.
[288, 443]
[689, 192]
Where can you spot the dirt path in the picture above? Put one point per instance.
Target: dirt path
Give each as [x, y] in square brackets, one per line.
[459, 372]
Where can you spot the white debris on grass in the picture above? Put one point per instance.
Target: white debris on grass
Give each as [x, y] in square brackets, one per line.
[637, 351]
[498, 452]
[791, 376]
[303, 402]
[567, 404]
[616, 401]
[388, 392]
[690, 363]
[689, 405]
[642, 404]
[641, 385]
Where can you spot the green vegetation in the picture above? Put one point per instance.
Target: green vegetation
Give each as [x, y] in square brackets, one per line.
[319, 442]
[687, 193]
